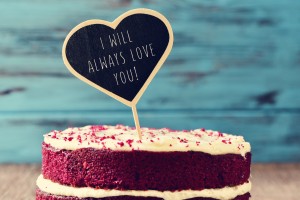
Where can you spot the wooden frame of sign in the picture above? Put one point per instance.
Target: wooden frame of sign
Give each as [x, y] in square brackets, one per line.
[113, 25]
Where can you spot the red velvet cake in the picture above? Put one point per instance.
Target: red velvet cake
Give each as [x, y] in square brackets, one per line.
[111, 163]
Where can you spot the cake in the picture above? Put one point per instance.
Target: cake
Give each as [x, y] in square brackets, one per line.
[112, 163]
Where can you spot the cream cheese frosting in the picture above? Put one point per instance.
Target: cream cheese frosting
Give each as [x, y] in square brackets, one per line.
[124, 138]
[225, 193]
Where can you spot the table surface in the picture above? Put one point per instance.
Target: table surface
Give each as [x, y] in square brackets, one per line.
[270, 181]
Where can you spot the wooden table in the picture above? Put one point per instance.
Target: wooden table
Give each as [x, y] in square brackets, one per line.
[270, 181]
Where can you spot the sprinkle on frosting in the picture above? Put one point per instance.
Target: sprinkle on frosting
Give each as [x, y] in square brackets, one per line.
[125, 138]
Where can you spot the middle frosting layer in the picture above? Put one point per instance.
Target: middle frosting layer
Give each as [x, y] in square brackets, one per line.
[221, 193]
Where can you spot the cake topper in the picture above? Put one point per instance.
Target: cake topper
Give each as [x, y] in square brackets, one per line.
[119, 58]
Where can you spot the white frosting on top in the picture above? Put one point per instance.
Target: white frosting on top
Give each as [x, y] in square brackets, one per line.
[125, 138]
[225, 193]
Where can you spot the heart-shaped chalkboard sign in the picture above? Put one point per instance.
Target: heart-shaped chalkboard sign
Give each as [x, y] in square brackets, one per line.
[119, 58]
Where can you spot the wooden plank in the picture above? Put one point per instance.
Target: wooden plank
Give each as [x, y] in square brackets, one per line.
[34, 92]
[270, 181]
[18, 181]
[275, 181]
[274, 136]
[241, 55]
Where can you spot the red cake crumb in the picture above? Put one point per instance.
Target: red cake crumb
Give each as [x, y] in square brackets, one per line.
[121, 143]
[45, 196]
[54, 136]
[97, 128]
[144, 170]
[129, 142]
[79, 138]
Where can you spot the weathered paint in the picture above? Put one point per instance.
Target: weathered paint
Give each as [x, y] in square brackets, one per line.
[234, 67]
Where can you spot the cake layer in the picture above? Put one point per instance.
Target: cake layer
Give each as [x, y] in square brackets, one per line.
[125, 138]
[50, 190]
[143, 170]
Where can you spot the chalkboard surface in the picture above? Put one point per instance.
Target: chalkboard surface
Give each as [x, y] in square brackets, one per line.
[122, 57]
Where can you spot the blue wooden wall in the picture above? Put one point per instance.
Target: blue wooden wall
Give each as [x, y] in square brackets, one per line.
[234, 67]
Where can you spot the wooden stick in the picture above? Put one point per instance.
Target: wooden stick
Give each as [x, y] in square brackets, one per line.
[136, 121]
